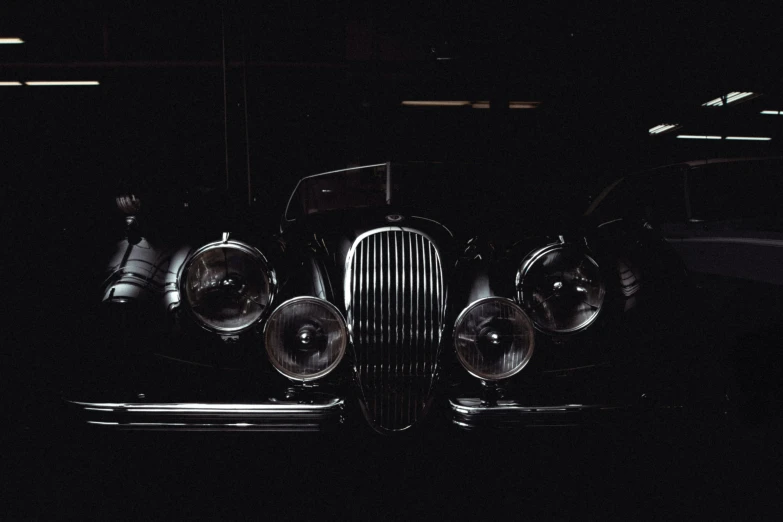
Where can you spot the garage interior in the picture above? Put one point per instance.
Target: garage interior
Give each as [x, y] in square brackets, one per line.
[223, 106]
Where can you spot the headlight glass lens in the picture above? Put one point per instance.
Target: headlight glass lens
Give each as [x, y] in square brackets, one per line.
[494, 338]
[227, 286]
[305, 338]
[561, 289]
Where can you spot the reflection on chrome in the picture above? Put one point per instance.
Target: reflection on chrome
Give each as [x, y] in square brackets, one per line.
[208, 407]
[315, 415]
[561, 288]
[227, 286]
[305, 338]
[494, 338]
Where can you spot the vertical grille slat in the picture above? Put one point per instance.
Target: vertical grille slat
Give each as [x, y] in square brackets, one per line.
[395, 298]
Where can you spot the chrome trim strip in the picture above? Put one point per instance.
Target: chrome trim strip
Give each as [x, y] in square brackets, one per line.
[269, 416]
[436, 222]
[474, 407]
[229, 408]
[411, 340]
[397, 310]
[387, 330]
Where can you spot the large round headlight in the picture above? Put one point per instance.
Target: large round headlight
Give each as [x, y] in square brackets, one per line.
[305, 338]
[494, 338]
[561, 288]
[227, 286]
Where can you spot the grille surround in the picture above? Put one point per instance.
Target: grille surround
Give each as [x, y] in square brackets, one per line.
[395, 300]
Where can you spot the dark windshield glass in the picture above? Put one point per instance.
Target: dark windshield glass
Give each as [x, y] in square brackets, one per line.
[462, 194]
[745, 189]
[351, 188]
[420, 185]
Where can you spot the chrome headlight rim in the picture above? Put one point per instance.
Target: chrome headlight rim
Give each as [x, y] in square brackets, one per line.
[268, 272]
[530, 260]
[342, 351]
[529, 324]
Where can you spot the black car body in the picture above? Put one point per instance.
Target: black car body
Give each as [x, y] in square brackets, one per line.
[366, 308]
[722, 216]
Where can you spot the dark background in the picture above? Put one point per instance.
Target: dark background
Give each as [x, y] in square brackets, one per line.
[311, 87]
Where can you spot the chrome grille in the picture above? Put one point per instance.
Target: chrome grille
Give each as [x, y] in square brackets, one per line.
[395, 300]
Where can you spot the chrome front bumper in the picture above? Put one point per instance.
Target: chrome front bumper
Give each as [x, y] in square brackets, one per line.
[471, 413]
[315, 415]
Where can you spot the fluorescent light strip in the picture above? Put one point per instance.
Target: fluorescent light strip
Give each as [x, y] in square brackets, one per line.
[692, 137]
[523, 104]
[779, 113]
[658, 129]
[60, 83]
[742, 95]
[11, 41]
[435, 103]
[483, 104]
[10, 84]
[748, 138]
[730, 98]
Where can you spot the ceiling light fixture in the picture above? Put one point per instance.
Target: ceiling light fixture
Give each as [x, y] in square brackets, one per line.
[523, 104]
[11, 41]
[779, 113]
[730, 98]
[748, 138]
[480, 105]
[10, 84]
[693, 137]
[664, 127]
[435, 103]
[61, 83]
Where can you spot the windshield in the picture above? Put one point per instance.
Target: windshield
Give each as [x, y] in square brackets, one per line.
[460, 193]
[340, 189]
[421, 185]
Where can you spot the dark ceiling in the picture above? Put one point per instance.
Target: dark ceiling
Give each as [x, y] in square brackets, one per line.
[313, 86]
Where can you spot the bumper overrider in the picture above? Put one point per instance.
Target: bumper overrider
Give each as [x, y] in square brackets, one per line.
[314, 415]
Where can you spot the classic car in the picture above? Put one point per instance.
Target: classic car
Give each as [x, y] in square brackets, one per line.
[722, 216]
[365, 309]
